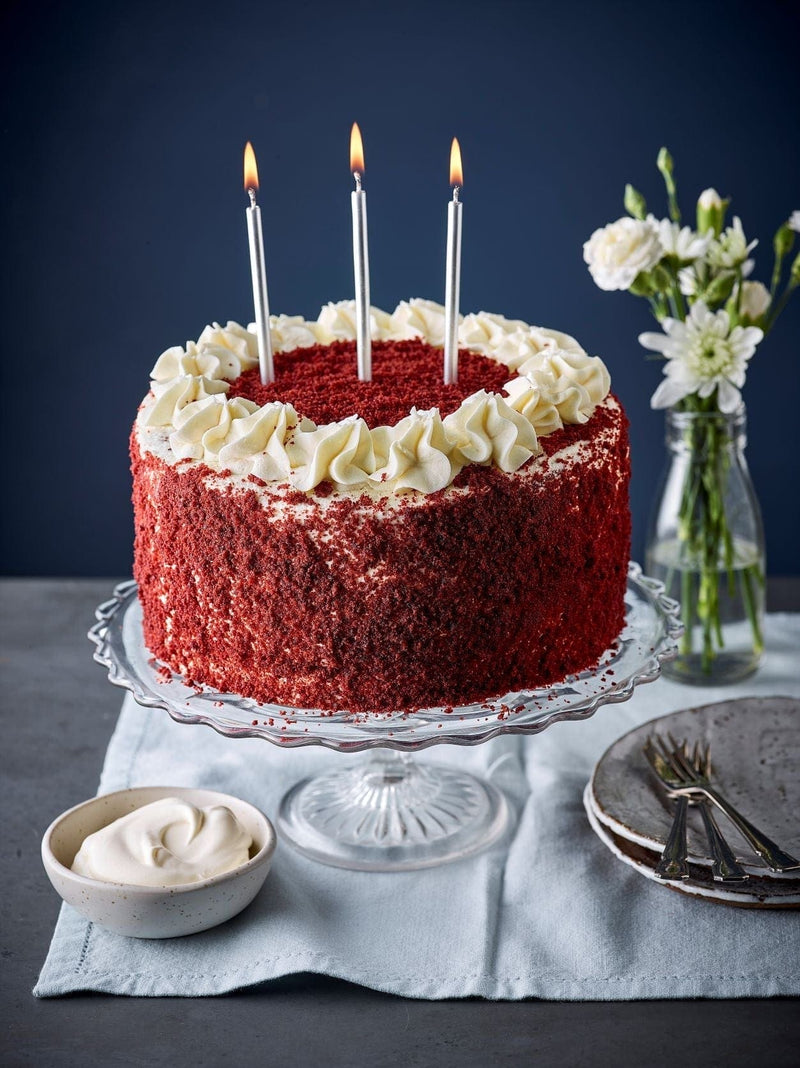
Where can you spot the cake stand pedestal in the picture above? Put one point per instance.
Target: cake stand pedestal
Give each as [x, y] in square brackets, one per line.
[390, 813]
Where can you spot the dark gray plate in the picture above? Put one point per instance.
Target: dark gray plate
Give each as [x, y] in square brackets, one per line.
[755, 751]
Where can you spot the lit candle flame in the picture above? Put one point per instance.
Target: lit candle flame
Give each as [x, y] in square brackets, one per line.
[356, 150]
[456, 170]
[250, 169]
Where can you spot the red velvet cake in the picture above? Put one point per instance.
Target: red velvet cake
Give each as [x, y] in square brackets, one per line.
[326, 543]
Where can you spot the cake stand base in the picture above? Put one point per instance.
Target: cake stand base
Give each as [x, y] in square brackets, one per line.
[392, 815]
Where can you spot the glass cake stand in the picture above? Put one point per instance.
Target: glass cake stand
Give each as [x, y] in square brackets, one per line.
[391, 813]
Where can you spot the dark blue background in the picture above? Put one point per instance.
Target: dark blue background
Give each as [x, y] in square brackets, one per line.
[124, 214]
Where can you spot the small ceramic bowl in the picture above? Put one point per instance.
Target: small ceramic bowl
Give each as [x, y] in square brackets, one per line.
[155, 911]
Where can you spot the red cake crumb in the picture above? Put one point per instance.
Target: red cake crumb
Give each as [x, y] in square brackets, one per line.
[322, 381]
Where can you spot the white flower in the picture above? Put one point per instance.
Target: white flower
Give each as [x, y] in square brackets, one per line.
[683, 243]
[794, 222]
[688, 281]
[703, 354]
[618, 252]
[731, 247]
[754, 300]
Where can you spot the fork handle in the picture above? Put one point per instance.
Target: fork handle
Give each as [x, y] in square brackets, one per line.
[673, 860]
[725, 868]
[773, 856]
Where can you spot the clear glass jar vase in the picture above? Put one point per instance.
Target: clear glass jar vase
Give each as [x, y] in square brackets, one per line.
[706, 544]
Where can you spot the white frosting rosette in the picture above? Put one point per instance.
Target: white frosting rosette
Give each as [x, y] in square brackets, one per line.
[341, 453]
[485, 430]
[174, 394]
[554, 383]
[414, 454]
[257, 443]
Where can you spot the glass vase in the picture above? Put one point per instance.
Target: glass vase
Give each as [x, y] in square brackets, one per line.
[706, 544]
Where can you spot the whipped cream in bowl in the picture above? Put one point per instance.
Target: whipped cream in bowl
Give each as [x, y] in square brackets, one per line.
[159, 862]
[165, 843]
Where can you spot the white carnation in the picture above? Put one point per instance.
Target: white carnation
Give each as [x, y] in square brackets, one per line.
[617, 253]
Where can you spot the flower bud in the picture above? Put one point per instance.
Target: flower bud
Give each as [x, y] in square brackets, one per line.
[711, 212]
[643, 285]
[754, 302]
[635, 203]
[783, 241]
[720, 288]
[794, 274]
[664, 163]
[662, 279]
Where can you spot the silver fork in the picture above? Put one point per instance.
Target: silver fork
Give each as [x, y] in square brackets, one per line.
[685, 779]
[673, 865]
[725, 868]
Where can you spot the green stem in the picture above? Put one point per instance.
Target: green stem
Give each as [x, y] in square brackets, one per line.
[748, 575]
[687, 611]
[738, 295]
[672, 199]
[776, 309]
[776, 275]
[680, 306]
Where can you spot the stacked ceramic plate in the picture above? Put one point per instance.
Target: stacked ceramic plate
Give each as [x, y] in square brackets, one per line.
[755, 752]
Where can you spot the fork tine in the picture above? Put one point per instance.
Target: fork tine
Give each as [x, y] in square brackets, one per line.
[679, 748]
[665, 751]
[670, 757]
[706, 760]
[680, 754]
[695, 759]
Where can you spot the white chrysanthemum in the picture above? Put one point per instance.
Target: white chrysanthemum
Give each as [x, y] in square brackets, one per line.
[731, 247]
[683, 243]
[703, 354]
[688, 281]
[754, 301]
[794, 222]
[618, 252]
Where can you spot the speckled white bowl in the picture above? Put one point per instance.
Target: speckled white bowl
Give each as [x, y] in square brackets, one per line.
[153, 911]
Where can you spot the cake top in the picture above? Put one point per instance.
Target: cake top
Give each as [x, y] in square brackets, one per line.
[317, 423]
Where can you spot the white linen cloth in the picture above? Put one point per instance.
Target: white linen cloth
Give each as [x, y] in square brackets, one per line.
[547, 912]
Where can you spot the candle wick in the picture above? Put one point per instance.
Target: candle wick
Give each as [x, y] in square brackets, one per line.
[252, 194]
[455, 194]
[357, 177]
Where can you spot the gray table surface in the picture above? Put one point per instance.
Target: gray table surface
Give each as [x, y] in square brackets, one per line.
[58, 715]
